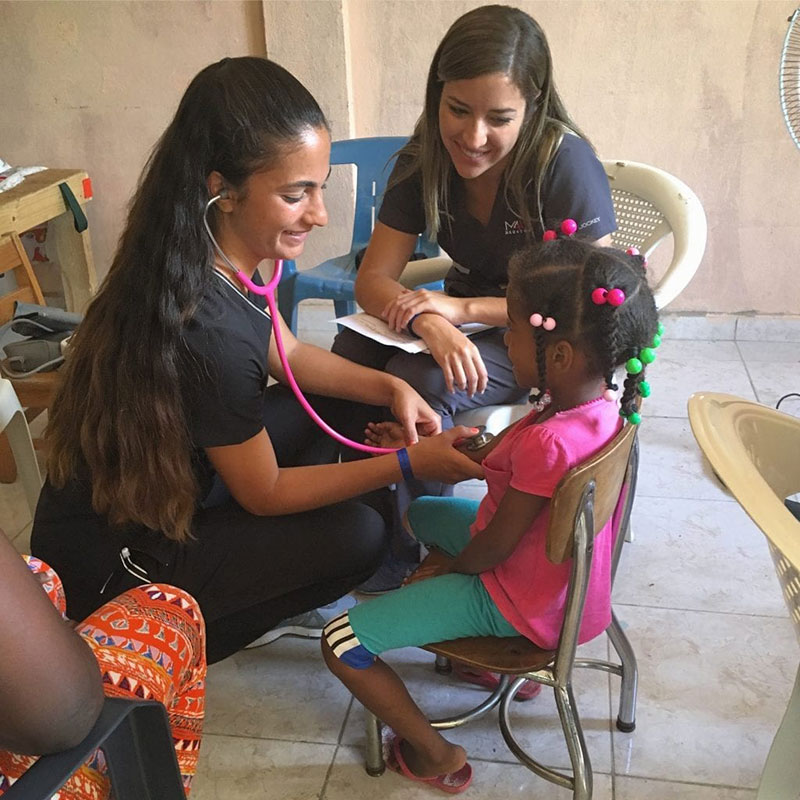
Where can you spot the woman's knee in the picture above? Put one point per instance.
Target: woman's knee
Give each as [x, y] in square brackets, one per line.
[362, 536]
[422, 373]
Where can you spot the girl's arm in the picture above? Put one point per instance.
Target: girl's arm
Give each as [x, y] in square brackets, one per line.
[497, 541]
[51, 690]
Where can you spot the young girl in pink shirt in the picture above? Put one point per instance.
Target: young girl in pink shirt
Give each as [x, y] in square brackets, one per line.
[576, 313]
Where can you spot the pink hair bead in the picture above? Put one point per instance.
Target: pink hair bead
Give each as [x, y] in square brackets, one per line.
[536, 320]
[609, 395]
[632, 251]
[616, 297]
[548, 236]
[549, 324]
[568, 227]
[599, 296]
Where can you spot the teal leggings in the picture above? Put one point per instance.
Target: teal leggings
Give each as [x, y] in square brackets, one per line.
[446, 607]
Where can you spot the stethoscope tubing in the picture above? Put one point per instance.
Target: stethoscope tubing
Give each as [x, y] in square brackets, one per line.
[268, 291]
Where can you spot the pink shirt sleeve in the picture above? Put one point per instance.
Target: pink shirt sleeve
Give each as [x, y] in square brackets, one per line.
[539, 461]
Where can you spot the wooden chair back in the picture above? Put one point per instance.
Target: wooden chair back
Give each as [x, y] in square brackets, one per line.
[14, 260]
[607, 469]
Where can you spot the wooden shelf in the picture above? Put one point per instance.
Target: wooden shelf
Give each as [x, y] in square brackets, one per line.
[38, 200]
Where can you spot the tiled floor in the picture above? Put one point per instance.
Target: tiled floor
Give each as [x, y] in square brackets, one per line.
[696, 592]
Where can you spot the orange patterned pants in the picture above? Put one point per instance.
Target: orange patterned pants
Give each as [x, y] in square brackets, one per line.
[150, 644]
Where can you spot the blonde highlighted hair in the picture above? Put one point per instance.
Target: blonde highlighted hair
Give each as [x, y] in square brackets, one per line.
[490, 39]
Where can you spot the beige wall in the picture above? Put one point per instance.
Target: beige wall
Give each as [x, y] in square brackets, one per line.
[92, 85]
[689, 86]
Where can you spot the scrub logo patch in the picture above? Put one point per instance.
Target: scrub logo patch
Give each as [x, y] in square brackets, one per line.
[514, 227]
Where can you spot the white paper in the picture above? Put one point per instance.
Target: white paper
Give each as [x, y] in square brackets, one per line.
[375, 328]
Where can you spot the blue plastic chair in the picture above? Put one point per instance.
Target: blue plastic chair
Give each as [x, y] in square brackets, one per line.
[334, 279]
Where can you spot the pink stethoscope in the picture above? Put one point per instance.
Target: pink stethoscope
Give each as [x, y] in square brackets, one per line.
[268, 291]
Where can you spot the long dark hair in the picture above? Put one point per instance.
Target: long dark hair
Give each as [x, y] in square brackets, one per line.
[483, 41]
[119, 412]
[556, 279]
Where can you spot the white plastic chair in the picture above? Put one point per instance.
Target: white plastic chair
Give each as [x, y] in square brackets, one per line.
[649, 205]
[754, 450]
[15, 426]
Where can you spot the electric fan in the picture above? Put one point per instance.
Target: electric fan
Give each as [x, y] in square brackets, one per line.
[790, 77]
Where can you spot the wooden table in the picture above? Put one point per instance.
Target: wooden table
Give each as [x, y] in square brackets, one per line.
[38, 200]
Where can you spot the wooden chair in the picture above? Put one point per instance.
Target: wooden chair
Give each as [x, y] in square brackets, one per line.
[36, 392]
[585, 499]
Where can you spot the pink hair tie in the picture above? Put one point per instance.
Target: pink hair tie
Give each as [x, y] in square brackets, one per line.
[614, 297]
[600, 296]
[538, 321]
[567, 227]
[609, 395]
[634, 251]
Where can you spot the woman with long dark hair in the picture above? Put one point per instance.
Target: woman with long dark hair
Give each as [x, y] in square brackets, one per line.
[494, 161]
[170, 458]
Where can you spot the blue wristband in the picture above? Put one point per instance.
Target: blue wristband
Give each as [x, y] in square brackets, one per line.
[410, 326]
[405, 464]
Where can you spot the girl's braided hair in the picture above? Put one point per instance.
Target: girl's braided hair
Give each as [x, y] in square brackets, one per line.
[556, 279]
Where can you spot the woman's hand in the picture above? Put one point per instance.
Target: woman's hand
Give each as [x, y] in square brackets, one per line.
[408, 304]
[415, 416]
[459, 359]
[435, 458]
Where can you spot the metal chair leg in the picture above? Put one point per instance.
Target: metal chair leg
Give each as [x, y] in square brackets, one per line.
[629, 534]
[626, 716]
[443, 665]
[576, 744]
[375, 765]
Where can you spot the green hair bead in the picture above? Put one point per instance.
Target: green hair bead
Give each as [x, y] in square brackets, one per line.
[634, 418]
[660, 329]
[644, 389]
[633, 366]
[647, 355]
[656, 341]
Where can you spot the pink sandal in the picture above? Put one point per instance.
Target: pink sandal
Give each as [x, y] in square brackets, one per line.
[452, 782]
[489, 680]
